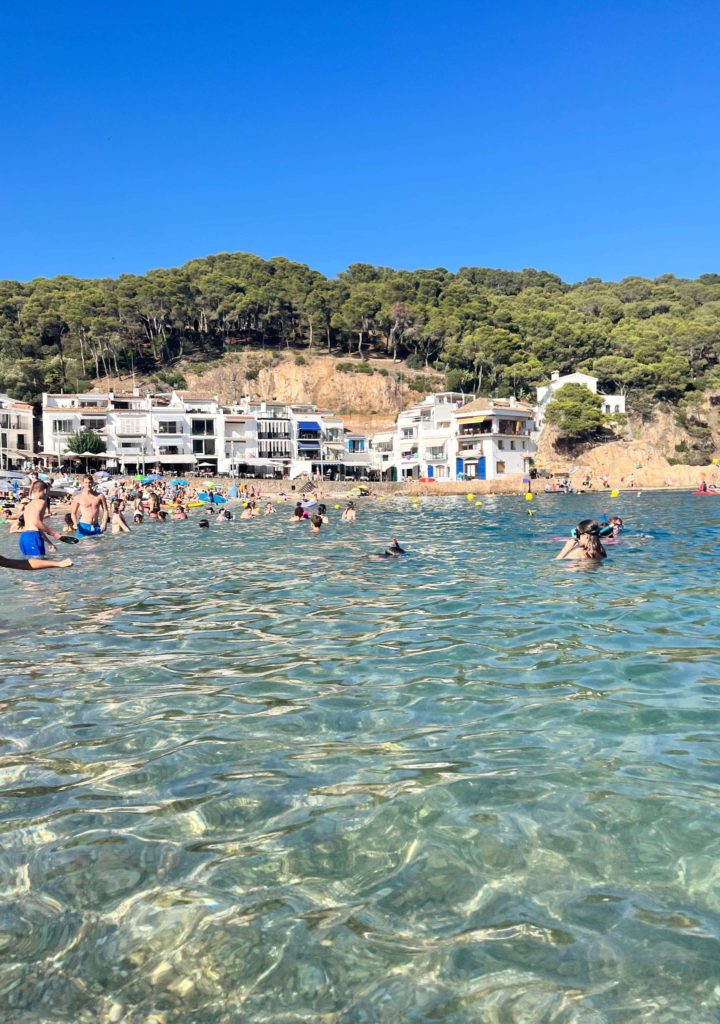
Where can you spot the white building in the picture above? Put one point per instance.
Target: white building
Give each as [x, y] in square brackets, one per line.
[174, 432]
[493, 439]
[423, 443]
[546, 393]
[16, 433]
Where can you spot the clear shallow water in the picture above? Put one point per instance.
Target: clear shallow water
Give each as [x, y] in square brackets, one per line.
[252, 775]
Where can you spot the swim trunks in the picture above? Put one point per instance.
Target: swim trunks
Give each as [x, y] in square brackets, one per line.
[87, 530]
[32, 544]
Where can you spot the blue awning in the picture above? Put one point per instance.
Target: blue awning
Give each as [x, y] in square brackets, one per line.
[309, 425]
[305, 446]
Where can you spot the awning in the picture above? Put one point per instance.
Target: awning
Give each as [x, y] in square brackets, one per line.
[185, 460]
[335, 446]
[309, 425]
[305, 446]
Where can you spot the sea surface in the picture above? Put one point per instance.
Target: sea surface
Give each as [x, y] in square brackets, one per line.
[254, 775]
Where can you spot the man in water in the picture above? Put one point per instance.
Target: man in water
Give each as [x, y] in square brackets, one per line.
[89, 510]
[31, 540]
[393, 550]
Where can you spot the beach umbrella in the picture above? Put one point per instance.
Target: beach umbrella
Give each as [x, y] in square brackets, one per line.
[138, 477]
[179, 483]
[205, 465]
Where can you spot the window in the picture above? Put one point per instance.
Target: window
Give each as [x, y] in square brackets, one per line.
[501, 445]
[168, 427]
[21, 441]
[512, 446]
[62, 426]
[203, 428]
[203, 447]
[499, 468]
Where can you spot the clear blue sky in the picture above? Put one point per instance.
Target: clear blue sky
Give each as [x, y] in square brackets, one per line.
[580, 138]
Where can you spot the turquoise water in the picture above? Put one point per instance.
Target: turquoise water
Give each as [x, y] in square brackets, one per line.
[252, 776]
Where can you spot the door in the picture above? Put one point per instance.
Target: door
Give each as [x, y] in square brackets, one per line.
[430, 472]
[459, 469]
[481, 468]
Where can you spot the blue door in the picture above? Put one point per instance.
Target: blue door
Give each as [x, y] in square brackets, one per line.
[459, 469]
[431, 471]
[481, 468]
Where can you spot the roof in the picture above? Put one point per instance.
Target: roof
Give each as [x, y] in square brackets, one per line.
[193, 396]
[485, 404]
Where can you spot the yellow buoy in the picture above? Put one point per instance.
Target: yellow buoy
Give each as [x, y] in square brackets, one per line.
[336, 506]
[528, 496]
[470, 497]
[715, 462]
[478, 503]
[614, 494]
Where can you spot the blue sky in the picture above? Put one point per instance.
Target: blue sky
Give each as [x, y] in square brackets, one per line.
[577, 138]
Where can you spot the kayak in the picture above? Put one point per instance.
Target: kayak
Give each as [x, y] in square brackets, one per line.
[705, 493]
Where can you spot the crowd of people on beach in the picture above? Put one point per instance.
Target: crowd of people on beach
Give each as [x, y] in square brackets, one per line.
[119, 505]
[106, 504]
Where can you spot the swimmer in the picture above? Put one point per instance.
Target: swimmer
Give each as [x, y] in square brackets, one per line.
[393, 550]
[204, 524]
[29, 564]
[322, 512]
[69, 526]
[298, 513]
[250, 511]
[117, 520]
[34, 531]
[179, 512]
[89, 510]
[349, 514]
[269, 509]
[315, 523]
[137, 519]
[585, 545]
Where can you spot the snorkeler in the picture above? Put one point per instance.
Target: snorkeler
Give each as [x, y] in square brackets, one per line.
[393, 550]
[585, 543]
[349, 514]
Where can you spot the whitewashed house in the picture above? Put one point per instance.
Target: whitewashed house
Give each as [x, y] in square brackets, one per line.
[16, 433]
[492, 439]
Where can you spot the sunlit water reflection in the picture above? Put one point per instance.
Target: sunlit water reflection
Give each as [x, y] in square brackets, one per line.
[253, 775]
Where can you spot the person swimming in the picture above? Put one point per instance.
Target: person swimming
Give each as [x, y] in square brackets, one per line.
[204, 524]
[585, 544]
[393, 550]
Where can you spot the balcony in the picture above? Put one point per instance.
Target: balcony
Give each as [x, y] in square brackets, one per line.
[435, 453]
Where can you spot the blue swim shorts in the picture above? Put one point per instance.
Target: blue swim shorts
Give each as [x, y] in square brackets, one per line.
[87, 530]
[32, 544]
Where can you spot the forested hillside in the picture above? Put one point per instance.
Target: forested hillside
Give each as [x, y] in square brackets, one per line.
[493, 331]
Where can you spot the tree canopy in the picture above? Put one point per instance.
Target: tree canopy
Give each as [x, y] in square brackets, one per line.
[576, 411]
[495, 331]
[83, 441]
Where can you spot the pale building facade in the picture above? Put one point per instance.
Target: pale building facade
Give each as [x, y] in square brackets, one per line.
[493, 439]
[16, 433]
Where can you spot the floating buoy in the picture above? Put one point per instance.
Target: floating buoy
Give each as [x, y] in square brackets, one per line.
[715, 462]
[470, 497]
[478, 503]
[528, 496]
[336, 506]
[614, 494]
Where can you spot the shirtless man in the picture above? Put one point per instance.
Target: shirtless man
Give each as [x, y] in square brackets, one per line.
[31, 540]
[89, 510]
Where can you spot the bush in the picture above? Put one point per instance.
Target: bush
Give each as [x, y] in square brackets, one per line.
[252, 374]
[415, 362]
[347, 367]
[382, 371]
[300, 360]
[172, 378]
[423, 385]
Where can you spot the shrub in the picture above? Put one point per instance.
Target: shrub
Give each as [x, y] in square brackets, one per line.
[300, 360]
[423, 385]
[252, 374]
[415, 362]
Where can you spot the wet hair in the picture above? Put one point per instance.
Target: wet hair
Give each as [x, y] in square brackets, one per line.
[204, 524]
[395, 548]
[322, 509]
[68, 520]
[39, 487]
[116, 507]
[138, 518]
[316, 520]
[590, 528]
